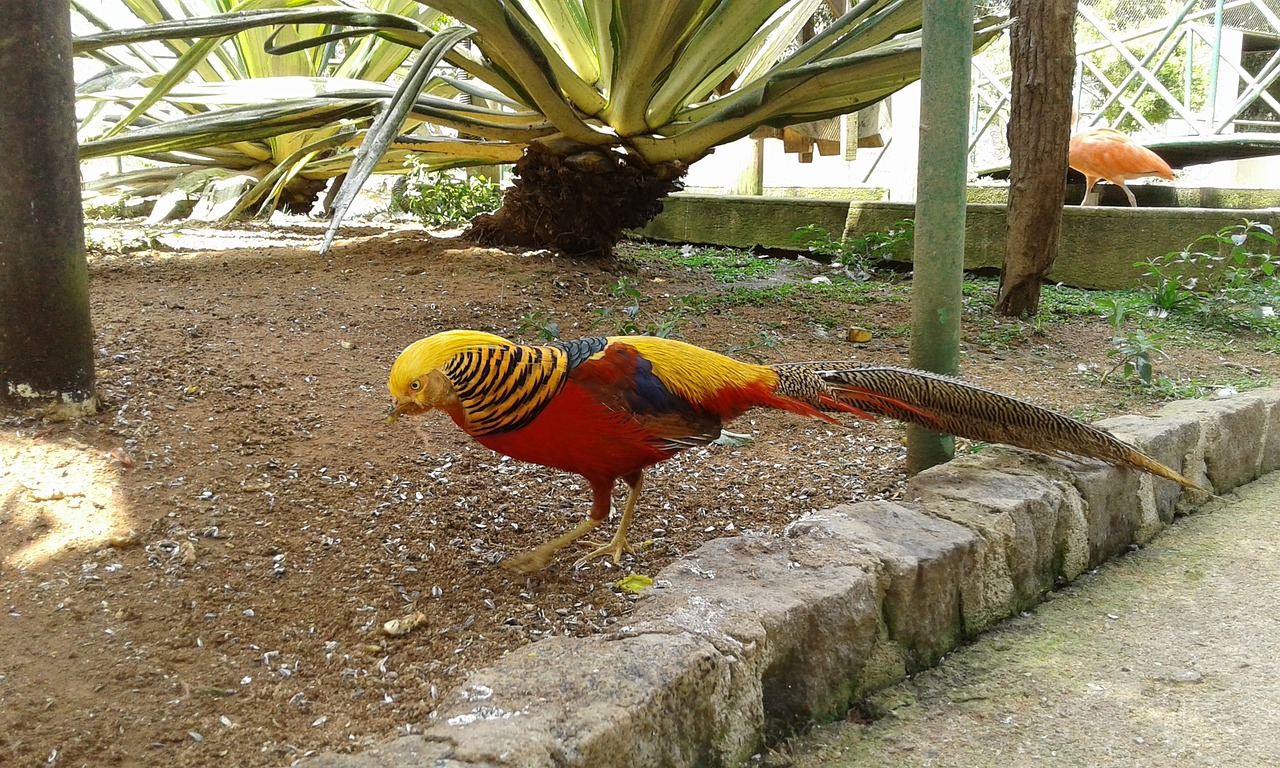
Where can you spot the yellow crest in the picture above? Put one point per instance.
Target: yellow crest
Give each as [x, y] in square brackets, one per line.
[425, 355]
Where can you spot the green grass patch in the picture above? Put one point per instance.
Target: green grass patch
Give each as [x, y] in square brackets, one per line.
[804, 297]
[741, 296]
[725, 265]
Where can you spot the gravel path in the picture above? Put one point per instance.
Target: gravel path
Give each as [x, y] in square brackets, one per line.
[1168, 657]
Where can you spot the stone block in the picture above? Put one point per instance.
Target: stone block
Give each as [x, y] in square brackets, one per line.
[1269, 461]
[1233, 436]
[653, 699]
[928, 564]
[800, 613]
[1032, 525]
[1119, 508]
[1138, 505]
[743, 221]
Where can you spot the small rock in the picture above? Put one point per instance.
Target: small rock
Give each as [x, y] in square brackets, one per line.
[405, 624]
[130, 538]
[1186, 676]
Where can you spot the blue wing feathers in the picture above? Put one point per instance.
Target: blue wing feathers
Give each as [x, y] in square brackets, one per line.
[651, 396]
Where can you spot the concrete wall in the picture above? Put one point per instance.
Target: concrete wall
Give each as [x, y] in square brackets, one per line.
[744, 221]
[1097, 249]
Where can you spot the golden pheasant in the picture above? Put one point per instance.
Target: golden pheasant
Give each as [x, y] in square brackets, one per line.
[1104, 153]
[608, 408]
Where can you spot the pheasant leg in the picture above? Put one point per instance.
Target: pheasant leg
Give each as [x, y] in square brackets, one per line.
[618, 544]
[537, 559]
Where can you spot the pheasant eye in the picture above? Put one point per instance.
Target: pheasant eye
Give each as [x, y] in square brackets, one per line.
[415, 385]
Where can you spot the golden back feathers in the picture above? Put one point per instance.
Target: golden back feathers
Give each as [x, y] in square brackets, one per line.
[696, 374]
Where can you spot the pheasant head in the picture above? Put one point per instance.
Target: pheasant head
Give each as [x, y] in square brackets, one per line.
[418, 381]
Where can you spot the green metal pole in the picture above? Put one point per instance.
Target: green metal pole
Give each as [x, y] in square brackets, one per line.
[940, 206]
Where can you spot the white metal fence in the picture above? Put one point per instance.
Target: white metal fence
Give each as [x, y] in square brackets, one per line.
[1154, 68]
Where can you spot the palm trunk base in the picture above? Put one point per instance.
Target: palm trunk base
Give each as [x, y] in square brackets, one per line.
[299, 196]
[577, 204]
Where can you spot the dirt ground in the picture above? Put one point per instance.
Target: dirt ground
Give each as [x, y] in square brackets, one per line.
[200, 575]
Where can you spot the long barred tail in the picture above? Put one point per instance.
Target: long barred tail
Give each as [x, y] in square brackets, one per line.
[944, 404]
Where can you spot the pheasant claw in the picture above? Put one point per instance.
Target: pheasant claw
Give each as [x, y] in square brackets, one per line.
[616, 547]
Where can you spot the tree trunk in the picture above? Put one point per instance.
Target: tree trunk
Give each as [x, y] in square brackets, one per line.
[46, 340]
[1042, 52]
[578, 204]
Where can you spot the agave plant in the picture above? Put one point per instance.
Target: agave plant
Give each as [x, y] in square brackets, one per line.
[636, 91]
[231, 113]
[605, 103]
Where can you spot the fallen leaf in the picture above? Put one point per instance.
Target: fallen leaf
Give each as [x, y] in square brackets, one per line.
[634, 584]
[858, 335]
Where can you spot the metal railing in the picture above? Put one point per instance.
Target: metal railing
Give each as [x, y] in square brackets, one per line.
[1183, 69]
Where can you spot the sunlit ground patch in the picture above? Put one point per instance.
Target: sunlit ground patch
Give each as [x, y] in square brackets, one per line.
[57, 496]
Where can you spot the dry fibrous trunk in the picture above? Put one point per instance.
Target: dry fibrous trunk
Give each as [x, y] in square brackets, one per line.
[578, 204]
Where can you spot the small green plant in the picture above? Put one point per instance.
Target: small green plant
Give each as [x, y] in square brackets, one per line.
[741, 296]
[1133, 351]
[762, 340]
[727, 265]
[1195, 387]
[667, 325]
[1086, 413]
[626, 320]
[627, 314]
[1001, 333]
[861, 254]
[539, 324]
[444, 198]
[1219, 276]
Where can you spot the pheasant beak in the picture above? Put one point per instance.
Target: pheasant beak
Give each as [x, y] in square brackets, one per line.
[422, 396]
[404, 408]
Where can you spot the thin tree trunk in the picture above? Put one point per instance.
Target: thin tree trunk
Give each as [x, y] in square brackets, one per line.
[1042, 52]
[46, 340]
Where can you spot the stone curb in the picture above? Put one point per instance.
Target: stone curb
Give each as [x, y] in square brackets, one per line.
[751, 637]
